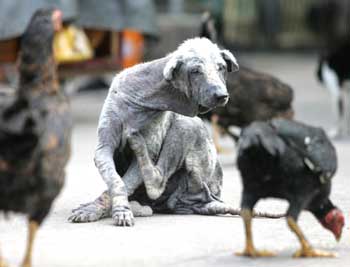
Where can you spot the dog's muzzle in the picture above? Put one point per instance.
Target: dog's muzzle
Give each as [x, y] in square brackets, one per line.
[221, 99]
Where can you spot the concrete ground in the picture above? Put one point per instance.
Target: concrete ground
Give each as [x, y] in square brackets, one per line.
[173, 240]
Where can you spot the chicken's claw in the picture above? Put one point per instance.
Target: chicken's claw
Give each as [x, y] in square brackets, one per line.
[256, 253]
[313, 253]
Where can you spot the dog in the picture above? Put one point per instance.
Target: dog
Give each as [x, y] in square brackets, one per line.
[189, 81]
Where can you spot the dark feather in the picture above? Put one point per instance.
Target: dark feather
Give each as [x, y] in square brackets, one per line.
[35, 127]
[272, 159]
[254, 96]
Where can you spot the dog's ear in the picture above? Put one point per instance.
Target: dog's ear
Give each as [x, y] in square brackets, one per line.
[171, 67]
[230, 60]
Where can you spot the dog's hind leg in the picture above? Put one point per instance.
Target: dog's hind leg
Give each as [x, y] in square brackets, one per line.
[101, 208]
[93, 211]
[155, 176]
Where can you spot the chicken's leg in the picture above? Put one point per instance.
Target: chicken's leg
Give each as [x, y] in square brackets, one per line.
[32, 229]
[250, 250]
[306, 249]
[216, 135]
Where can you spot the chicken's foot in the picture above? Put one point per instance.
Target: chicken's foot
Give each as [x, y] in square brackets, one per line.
[306, 249]
[216, 135]
[250, 250]
[32, 229]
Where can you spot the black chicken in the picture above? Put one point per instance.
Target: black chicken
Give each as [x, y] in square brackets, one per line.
[324, 19]
[292, 161]
[329, 20]
[35, 130]
[254, 96]
[334, 71]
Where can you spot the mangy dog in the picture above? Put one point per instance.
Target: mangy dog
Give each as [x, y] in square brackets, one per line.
[188, 81]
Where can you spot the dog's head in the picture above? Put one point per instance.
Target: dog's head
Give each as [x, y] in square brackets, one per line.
[198, 68]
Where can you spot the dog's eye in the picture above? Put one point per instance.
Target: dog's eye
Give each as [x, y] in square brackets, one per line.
[221, 67]
[196, 71]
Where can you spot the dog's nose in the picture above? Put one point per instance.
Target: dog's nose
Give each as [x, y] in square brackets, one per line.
[221, 98]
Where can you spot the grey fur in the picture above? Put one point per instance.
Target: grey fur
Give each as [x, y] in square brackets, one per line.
[187, 164]
[188, 81]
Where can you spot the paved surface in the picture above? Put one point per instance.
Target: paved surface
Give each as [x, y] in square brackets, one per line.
[169, 240]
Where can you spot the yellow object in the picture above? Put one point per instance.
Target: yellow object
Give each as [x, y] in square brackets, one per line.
[250, 250]
[71, 44]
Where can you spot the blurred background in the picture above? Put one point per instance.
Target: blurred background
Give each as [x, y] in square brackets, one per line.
[280, 37]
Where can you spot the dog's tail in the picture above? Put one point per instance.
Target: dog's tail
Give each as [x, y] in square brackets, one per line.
[258, 214]
[220, 208]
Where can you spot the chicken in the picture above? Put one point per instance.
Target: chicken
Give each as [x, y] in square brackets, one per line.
[292, 161]
[330, 20]
[254, 96]
[35, 130]
[334, 71]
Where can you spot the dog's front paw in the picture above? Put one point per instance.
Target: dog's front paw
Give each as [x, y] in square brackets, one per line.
[123, 216]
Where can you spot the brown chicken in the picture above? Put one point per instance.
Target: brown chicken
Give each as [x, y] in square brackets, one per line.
[35, 130]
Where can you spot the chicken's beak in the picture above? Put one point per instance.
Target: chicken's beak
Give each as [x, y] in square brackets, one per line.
[339, 233]
[338, 237]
